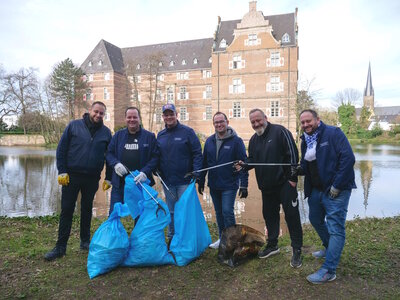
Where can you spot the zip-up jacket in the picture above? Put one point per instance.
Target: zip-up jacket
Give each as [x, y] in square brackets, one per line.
[80, 153]
[224, 178]
[335, 160]
[179, 153]
[147, 153]
[275, 145]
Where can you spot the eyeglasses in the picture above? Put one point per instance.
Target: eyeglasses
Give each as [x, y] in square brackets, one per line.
[219, 122]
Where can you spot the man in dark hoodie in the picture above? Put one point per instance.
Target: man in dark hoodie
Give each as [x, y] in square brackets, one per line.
[223, 147]
[274, 144]
[80, 160]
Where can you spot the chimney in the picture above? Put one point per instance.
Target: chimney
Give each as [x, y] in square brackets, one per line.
[252, 6]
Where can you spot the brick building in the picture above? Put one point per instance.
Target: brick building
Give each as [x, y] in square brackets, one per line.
[250, 62]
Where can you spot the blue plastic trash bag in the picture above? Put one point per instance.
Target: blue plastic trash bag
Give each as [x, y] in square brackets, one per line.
[192, 235]
[147, 241]
[110, 243]
[135, 198]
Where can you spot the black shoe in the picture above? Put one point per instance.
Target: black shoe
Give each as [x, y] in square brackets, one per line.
[268, 251]
[57, 252]
[85, 246]
[296, 262]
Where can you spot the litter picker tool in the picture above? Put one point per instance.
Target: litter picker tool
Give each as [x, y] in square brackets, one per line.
[166, 187]
[154, 199]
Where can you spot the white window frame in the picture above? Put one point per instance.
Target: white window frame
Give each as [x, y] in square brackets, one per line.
[195, 61]
[183, 93]
[107, 117]
[286, 38]
[106, 94]
[182, 75]
[208, 113]
[170, 94]
[237, 87]
[106, 76]
[158, 115]
[183, 62]
[236, 110]
[100, 62]
[252, 40]
[208, 92]
[171, 63]
[183, 114]
[222, 44]
[90, 77]
[207, 74]
[274, 108]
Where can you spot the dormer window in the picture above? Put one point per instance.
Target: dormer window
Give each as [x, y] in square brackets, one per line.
[195, 61]
[100, 62]
[286, 38]
[210, 60]
[183, 62]
[138, 67]
[90, 63]
[171, 63]
[222, 44]
[160, 64]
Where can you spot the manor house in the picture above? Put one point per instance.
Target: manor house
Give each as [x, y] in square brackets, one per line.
[248, 63]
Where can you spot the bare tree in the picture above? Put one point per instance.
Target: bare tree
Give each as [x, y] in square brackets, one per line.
[348, 96]
[21, 89]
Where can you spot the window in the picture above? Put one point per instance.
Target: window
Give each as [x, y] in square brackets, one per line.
[107, 117]
[138, 67]
[274, 108]
[170, 94]
[208, 113]
[182, 75]
[158, 115]
[237, 62]
[183, 94]
[275, 60]
[252, 40]
[210, 60]
[286, 38]
[237, 87]
[106, 76]
[160, 77]
[208, 91]
[171, 63]
[222, 44]
[236, 110]
[183, 62]
[106, 94]
[195, 61]
[90, 63]
[135, 95]
[158, 94]
[207, 74]
[138, 78]
[184, 116]
[275, 83]
[90, 77]
[88, 96]
[160, 64]
[100, 62]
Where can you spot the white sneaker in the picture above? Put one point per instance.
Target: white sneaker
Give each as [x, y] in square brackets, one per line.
[215, 245]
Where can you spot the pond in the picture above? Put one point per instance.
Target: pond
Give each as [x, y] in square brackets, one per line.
[28, 187]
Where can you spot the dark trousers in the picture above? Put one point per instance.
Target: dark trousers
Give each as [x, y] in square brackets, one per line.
[88, 186]
[287, 196]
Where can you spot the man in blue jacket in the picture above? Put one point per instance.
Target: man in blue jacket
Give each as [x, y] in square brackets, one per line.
[179, 153]
[131, 148]
[328, 164]
[80, 160]
[223, 147]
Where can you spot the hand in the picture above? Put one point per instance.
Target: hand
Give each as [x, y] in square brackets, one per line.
[63, 179]
[120, 170]
[194, 175]
[200, 188]
[292, 183]
[140, 178]
[106, 185]
[296, 171]
[243, 193]
[240, 165]
[333, 192]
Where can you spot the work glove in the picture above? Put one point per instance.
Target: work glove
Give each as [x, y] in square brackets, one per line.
[243, 193]
[296, 171]
[240, 166]
[63, 179]
[106, 185]
[120, 170]
[334, 192]
[200, 188]
[194, 175]
[140, 178]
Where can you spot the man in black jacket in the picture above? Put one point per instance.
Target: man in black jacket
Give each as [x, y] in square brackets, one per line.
[274, 144]
[80, 160]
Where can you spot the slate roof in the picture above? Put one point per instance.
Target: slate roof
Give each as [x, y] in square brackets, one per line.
[281, 24]
[384, 113]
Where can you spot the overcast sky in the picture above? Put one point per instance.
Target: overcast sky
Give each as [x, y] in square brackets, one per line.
[337, 39]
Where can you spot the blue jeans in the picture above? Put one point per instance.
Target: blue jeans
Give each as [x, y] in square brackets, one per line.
[328, 217]
[224, 203]
[173, 195]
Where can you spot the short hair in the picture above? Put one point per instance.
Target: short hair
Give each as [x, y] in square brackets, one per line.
[255, 110]
[220, 113]
[99, 103]
[135, 108]
[311, 111]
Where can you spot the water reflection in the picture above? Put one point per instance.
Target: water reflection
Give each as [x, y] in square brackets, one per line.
[28, 187]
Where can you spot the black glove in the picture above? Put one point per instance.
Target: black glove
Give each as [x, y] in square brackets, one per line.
[243, 165]
[243, 193]
[200, 188]
[296, 171]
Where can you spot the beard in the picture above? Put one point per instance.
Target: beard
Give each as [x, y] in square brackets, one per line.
[260, 130]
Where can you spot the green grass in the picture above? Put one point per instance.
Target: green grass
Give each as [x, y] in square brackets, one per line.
[369, 268]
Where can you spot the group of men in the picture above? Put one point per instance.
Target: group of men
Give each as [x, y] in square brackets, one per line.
[326, 162]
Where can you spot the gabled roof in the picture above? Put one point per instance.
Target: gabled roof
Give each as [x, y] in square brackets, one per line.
[281, 24]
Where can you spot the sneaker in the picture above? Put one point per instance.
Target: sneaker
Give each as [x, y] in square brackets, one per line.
[57, 252]
[319, 253]
[268, 251]
[321, 276]
[85, 246]
[215, 245]
[296, 261]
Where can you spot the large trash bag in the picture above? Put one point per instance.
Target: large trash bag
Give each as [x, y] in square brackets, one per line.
[110, 243]
[135, 198]
[147, 241]
[239, 243]
[192, 235]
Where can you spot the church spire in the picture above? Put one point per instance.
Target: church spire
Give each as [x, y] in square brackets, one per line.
[369, 92]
